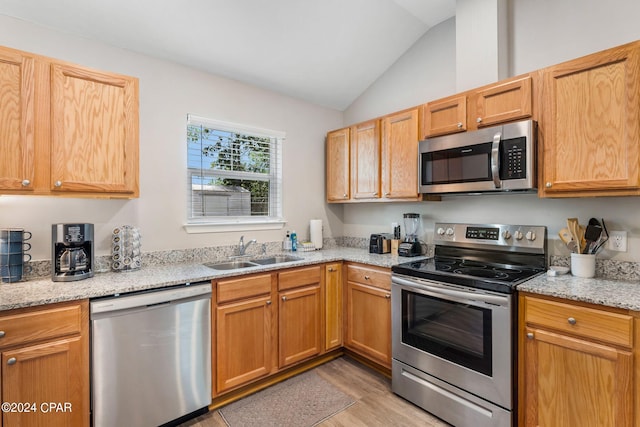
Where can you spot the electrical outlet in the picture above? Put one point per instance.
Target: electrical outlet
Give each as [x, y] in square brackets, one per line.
[617, 241]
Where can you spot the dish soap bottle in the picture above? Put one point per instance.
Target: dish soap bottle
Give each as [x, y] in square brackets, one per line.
[294, 241]
[286, 243]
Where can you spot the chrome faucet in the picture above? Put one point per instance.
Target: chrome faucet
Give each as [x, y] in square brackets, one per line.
[242, 248]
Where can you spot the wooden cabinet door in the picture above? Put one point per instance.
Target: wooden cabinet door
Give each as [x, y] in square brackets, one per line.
[338, 161]
[400, 155]
[591, 130]
[17, 87]
[444, 116]
[365, 160]
[243, 342]
[333, 306]
[54, 372]
[503, 102]
[94, 138]
[369, 322]
[299, 325]
[573, 382]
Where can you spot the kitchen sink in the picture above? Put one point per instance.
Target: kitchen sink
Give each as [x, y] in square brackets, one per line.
[230, 265]
[243, 263]
[275, 259]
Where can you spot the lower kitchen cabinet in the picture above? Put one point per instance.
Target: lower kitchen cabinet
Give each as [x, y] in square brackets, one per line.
[368, 325]
[45, 365]
[243, 331]
[333, 306]
[299, 317]
[576, 364]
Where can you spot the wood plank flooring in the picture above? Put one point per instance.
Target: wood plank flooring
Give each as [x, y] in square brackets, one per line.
[375, 404]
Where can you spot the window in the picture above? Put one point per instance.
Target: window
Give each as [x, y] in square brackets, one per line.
[235, 176]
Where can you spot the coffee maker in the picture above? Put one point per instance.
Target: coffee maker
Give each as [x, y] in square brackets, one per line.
[72, 252]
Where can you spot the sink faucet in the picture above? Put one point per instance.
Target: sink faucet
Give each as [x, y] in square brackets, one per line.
[242, 248]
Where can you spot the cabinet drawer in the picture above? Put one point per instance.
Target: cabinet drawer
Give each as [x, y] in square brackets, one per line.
[40, 324]
[299, 277]
[369, 276]
[245, 287]
[592, 323]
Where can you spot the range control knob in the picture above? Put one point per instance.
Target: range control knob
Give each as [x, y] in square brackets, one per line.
[449, 231]
[518, 235]
[506, 234]
[440, 231]
[531, 235]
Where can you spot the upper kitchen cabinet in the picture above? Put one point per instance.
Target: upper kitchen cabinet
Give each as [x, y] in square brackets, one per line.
[443, 117]
[399, 155]
[365, 160]
[338, 179]
[590, 128]
[66, 129]
[94, 138]
[16, 120]
[505, 101]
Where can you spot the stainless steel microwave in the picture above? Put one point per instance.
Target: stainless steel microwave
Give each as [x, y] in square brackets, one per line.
[494, 159]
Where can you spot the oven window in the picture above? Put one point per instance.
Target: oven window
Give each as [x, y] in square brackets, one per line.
[456, 165]
[457, 332]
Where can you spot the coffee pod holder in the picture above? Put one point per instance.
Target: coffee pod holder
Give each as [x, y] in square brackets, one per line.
[125, 248]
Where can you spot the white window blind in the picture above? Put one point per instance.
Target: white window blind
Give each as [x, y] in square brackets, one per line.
[235, 173]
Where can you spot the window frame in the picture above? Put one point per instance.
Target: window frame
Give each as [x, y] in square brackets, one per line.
[212, 224]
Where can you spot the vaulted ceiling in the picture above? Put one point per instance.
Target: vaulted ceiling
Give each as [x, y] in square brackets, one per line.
[326, 52]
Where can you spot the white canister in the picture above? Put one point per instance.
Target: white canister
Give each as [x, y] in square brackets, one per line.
[583, 265]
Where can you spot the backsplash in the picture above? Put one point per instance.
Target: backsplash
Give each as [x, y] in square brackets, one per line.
[605, 268]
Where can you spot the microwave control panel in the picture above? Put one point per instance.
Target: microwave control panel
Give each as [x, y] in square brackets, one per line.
[513, 161]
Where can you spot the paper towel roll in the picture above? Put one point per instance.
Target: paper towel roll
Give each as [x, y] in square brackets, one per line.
[315, 232]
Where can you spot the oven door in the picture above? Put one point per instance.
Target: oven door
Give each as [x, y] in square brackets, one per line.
[459, 335]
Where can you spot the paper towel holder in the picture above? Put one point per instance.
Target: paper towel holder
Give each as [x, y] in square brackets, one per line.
[315, 233]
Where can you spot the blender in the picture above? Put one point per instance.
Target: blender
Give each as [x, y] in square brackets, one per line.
[410, 245]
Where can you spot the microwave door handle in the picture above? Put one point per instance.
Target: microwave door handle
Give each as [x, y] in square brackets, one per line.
[495, 159]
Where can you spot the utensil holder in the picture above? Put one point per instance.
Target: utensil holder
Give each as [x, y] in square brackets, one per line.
[125, 248]
[583, 265]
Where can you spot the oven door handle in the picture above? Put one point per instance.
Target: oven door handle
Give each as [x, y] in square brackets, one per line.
[495, 159]
[491, 299]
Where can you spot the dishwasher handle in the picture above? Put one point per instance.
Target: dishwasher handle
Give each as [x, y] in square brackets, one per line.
[156, 297]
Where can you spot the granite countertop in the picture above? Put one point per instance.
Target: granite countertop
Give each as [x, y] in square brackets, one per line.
[45, 291]
[608, 292]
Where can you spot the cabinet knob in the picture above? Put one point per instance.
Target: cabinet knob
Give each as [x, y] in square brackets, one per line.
[459, 125]
[530, 335]
[26, 182]
[479, 120]
[269, 302]
[344, 195]
[548, 185]
[12, 361]
[388, 296]
[387, 194]
[1, 334]
[571, 320]
[366, 277]
[284, 298]
[57, 184]
[330, 269]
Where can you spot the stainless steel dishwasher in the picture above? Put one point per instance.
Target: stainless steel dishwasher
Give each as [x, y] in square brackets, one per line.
[151, 356]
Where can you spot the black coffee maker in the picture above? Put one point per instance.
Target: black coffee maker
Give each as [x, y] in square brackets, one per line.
[71, 252]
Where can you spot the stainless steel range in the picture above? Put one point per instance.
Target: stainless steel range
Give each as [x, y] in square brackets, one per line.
[454, 320]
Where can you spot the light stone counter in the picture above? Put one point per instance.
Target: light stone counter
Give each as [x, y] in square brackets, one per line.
[608, 292]
[44, 291]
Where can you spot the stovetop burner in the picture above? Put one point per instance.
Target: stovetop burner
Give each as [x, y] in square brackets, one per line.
[491, 257]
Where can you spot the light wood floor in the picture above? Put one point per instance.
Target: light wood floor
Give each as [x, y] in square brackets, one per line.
[375, 404]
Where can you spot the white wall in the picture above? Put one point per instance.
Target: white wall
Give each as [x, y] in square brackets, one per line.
[541, 33]
[167, 93]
